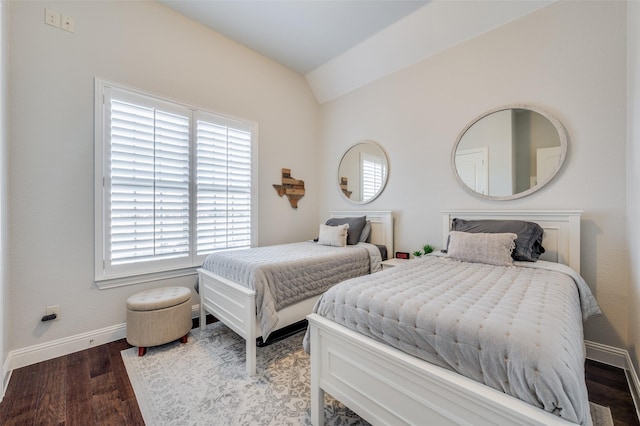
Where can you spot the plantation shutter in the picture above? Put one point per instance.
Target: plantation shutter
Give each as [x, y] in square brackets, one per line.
[374, 172]
[223, 184]
[149, 181]
[173, 184]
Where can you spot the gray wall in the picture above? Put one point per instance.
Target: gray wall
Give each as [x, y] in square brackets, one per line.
[568, 59]
[145, 45]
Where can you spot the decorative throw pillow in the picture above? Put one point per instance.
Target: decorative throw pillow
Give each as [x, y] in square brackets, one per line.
[529, 241]
[492, 249]
[333, 235]
[356, 224]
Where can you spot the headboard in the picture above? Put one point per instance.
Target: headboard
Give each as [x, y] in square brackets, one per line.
[561, 239]
[381, 226]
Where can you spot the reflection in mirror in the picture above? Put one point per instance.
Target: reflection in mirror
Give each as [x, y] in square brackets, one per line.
[362, 173]
[509, 152]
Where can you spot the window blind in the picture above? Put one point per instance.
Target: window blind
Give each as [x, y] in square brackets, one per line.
[223, 187]
[374, 172]
[173, 184]
[149, 209]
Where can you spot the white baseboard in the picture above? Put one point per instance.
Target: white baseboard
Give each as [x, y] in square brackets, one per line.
[6, 376]
[606, 354]
[55, 348]
[634, 384]
[617, 358]
[49, 350]
[195, 311]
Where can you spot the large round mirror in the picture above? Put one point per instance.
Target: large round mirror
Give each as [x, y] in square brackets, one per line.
[363, 171]
[509, 152]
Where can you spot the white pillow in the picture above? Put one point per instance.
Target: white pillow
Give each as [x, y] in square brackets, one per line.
[492, 249]
[333, 235]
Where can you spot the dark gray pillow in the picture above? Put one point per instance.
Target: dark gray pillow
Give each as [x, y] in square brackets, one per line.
[365, 235]
[529, 241]
[356, 224]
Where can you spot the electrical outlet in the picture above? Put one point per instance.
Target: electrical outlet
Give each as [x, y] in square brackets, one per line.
[54, 309]
[68, 23]
[51, 17]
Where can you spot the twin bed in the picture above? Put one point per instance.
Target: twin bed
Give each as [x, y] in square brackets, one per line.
[442, 341]
[437, 340]
[261, 290]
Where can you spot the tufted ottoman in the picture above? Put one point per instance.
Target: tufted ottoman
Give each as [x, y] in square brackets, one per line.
[158, 316]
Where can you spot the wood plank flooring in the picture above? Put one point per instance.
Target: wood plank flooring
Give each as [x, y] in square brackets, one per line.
[608, 386]
[91, 387]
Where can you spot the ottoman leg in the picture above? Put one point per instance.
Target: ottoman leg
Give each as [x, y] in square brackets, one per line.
[185, 338]
[142, 351]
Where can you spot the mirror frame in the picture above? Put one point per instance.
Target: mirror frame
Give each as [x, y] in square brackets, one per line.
[384, 184]
[562, 135]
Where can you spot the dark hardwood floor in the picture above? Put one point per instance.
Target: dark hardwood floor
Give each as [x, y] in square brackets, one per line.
[91, 387]
[608, 386]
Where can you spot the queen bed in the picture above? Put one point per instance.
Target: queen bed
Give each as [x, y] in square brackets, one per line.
[444, 340]
[261, 290]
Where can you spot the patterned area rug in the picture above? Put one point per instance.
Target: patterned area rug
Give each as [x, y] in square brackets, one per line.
[204, 383]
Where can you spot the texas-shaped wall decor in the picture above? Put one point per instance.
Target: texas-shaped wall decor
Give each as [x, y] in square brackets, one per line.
[292, 188]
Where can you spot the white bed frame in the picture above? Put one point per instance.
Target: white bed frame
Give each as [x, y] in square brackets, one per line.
[387, 386]
[234, 304]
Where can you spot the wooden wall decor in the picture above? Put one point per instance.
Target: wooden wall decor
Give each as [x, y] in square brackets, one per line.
[292, 188]
[344, 182]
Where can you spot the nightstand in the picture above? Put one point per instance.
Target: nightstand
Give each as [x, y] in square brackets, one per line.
[390, 263]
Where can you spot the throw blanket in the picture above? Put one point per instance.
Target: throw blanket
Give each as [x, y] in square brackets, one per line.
[282, 275]
[517, 329]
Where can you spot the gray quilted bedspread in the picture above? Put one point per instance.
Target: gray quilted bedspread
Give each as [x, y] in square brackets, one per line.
[517, 329]
[284, 274]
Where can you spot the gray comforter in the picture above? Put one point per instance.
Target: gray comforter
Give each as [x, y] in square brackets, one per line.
[282, 275]
[517, 329]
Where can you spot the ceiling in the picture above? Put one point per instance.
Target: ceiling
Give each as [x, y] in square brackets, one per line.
[341, 45]
[300, 34]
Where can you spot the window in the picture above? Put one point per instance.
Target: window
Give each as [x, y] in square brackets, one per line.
[374, 173]
[173, 184]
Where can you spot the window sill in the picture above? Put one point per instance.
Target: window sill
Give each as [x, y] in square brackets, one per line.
[108, 283]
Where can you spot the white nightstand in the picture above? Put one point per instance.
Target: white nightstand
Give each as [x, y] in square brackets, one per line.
[390, 263]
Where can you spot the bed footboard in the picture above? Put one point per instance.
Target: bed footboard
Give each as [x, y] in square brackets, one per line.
[232, 304]
[386, 386]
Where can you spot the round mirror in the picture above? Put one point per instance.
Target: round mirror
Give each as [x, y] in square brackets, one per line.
[509, 152]
[362, 173]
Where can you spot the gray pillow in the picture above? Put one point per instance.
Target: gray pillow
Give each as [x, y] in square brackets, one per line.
[529, 241]
[492, 249]
[366, 233]
[356, 224]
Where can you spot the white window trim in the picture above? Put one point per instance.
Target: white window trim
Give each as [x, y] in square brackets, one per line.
[101, 280]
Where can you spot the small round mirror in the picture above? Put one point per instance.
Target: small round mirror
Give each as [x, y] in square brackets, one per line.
[362, 172]
[509, 152]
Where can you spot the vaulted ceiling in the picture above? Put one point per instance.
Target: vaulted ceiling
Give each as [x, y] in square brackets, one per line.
[302, 34]
[339, 45]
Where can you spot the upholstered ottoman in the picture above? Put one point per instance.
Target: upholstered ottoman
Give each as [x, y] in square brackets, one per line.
[158, 316]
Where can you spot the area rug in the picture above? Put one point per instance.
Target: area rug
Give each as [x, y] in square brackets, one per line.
[204, 382]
